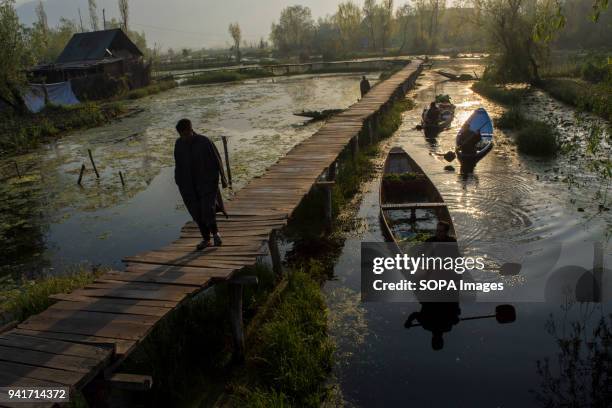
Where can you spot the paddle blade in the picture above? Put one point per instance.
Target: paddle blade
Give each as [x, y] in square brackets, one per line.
[510, 269]
[505, 314]
[419, 127]
[449, 156]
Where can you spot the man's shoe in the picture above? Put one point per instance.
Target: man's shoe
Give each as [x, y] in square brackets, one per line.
[203, 245]
[217, 240]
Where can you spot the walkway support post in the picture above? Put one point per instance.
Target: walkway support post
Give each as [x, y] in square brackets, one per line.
[236, 322]
[277, 264]
[327, 187]
[355, 147]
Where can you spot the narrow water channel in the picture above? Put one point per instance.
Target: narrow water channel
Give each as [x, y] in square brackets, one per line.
[508, 198]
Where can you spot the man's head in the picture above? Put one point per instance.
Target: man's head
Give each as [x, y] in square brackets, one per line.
[442, 229]
[432, 105]
[183, 127]
[363, 77]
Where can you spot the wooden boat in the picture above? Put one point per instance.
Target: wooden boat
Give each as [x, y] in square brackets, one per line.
[455, 77]
[410, 204]
[319, 115]
[447, 114]
[478, 122]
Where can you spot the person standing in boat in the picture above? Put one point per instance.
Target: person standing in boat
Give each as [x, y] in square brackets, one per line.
[364, 86]
[468, 140]
[433, 113]
[198, 169]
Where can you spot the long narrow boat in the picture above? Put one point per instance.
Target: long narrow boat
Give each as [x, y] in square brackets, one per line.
[478, 122]
[410, 204]
[447, 114]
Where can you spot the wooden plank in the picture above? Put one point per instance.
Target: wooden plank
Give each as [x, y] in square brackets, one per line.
[121, 346]
[113, 330]
[100, 318]
[57, 347]
[51, 375]
[174, 278]
[108, 306]
[72, 297]
[49, 360]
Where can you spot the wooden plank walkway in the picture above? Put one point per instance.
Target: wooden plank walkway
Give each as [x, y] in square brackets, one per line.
[93, 329]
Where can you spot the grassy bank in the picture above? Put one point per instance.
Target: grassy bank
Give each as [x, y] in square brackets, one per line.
[18, 301]
[499, 93]
[292, 354]
[533, 137]
[20, 133]
[152, 89]
[596, 98]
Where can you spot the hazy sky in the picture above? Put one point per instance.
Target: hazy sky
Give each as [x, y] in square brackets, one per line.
[184, 23]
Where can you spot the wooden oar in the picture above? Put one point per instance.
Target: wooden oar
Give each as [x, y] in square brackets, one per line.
[503, 314]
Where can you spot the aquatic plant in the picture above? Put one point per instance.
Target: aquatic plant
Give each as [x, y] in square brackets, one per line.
[537, 138]
[512, 118]
[401, 177]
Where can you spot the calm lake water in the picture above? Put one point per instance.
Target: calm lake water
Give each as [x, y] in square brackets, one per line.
[508, 198]
[48, 223]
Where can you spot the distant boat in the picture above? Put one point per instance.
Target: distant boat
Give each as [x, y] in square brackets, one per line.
[478, 122]
[447, 114]
[410, 204]
[455, 77]
[319, 115]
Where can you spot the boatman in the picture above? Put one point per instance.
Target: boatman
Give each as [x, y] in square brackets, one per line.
[364, 86]
[198, 169]
[433, 113]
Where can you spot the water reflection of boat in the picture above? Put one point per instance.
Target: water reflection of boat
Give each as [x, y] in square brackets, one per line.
[479, 123]
[410, 204]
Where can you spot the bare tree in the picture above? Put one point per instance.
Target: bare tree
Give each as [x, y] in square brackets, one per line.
[236, 33]
[386, 20]
[348, 20]
[369, 12]
[41, 17]
[93, 15]
[124, 10]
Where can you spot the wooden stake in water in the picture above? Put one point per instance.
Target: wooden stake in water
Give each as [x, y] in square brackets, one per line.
[93, 164]
[17, 169]
[121, 177]
[81, 174]
[227, 163]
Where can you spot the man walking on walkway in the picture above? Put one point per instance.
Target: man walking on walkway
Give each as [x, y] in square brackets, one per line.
[364, 86]
[198, 169]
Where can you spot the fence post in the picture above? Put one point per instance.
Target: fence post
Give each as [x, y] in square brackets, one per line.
[227, 163]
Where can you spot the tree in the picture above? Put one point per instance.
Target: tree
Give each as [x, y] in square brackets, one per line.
[435, 7]
[510, 25]
[385, 13]
[369, 12]
[348, 19]
[236, 33]
[14, 57]
[93, 15]
[404, 17]
[124, 11]
[293, 33]
[41, 21]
